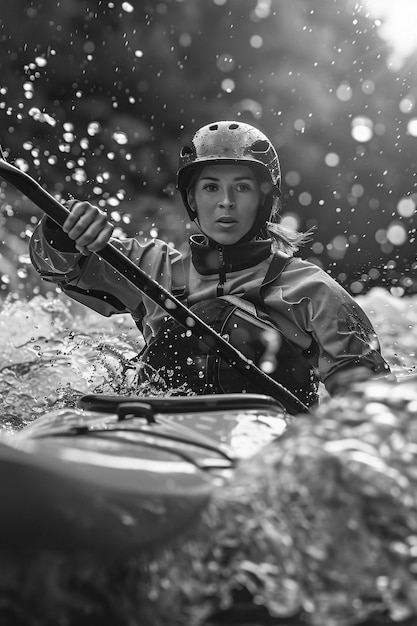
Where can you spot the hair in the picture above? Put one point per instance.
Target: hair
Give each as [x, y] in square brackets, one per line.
[284, 239]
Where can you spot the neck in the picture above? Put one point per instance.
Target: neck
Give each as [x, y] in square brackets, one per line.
[209, 257]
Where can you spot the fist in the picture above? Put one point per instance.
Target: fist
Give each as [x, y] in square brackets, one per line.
[87, 225]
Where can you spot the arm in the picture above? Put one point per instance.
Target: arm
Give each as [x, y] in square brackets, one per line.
[349, 349]
[321, 318]
[60, 255]
[90, 280]
[55, 250]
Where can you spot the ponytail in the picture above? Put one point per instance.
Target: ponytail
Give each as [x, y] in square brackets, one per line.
[284, 239]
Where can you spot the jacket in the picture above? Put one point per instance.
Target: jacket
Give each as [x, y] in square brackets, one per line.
[310, 308]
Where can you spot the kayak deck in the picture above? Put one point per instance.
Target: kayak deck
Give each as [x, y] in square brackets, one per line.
[124, 473]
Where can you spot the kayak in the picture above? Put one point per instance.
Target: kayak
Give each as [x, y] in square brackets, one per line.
[125, 473]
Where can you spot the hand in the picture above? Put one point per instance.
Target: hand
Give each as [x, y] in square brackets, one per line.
[87, 225]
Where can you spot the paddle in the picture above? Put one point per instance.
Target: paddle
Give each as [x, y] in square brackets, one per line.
[158, 294]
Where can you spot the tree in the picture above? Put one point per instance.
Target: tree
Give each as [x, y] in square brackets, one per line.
[98, 96]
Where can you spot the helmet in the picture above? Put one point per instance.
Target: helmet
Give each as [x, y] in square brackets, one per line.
[231, 142]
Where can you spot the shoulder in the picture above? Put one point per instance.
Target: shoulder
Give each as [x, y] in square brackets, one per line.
[304, 279]
[302, 268]
[296, 263]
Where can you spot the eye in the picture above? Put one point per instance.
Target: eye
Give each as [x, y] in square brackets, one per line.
[243, 187]
[210, 187]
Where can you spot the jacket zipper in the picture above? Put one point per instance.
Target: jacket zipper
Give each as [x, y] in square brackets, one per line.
[222, 272]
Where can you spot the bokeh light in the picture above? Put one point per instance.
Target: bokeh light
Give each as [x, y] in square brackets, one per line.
[406, 207]
[397, 234]
[362, 129]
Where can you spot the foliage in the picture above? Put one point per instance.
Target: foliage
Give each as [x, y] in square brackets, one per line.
[95, 98]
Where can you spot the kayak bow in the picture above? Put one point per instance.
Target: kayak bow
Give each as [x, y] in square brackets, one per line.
[126, 473]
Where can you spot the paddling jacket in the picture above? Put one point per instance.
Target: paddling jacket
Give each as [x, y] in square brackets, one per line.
[313, 312]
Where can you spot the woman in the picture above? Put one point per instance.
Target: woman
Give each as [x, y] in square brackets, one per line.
[229, 177]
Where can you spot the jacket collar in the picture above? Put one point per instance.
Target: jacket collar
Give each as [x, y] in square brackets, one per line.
[208, 257]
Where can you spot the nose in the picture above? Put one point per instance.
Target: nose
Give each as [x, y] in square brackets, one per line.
[228, 199]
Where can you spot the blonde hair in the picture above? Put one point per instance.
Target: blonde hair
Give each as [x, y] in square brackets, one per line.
[284, 239]
[287, 240]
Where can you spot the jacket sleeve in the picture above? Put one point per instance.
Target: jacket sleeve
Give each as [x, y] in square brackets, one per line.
[92, 281]
[321, 317]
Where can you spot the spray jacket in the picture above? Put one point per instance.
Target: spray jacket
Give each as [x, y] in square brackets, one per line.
[309, 307]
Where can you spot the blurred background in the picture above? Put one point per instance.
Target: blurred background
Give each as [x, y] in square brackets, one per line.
[96, 97]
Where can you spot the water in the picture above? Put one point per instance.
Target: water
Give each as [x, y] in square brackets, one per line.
[53, 351]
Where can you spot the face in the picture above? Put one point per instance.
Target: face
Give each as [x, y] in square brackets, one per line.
[226, 198]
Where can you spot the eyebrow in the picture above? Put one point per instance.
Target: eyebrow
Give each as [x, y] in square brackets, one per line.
[238, 178]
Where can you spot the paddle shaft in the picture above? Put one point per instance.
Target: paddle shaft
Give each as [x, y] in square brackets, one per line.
[158, 294]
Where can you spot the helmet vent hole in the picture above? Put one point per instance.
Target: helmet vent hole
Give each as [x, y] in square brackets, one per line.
[214, 127]
[260, 146]
[233, 126]
[186, 151]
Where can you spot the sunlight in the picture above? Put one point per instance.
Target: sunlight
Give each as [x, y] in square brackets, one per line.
[398, 26]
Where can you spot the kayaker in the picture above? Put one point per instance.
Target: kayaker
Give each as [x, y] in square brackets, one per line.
[229, 177]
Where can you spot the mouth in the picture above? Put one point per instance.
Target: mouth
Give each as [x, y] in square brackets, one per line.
[226, 220]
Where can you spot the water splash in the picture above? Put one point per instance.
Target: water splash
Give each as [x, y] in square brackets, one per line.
[53, 351]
